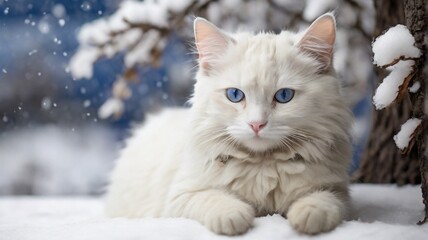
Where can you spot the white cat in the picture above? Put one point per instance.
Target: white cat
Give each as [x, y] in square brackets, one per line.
[267, 133]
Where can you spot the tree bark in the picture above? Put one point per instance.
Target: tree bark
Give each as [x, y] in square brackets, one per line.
[416, 21]
[382, 161]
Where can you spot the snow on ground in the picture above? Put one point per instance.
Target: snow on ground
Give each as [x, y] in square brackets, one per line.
[56, 160]
[381, 212]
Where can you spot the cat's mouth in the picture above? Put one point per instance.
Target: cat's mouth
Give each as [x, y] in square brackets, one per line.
[258, 143]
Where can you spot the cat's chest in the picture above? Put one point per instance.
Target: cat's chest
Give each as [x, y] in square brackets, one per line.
[262, 182]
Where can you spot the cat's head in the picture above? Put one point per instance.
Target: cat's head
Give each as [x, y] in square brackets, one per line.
[266, 91]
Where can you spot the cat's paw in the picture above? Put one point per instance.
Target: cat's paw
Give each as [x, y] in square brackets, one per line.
[311, 215]
[230, 218]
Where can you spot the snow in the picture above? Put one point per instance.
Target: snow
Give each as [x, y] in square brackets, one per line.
[367, 20]
[94, 33]
[348, 16]
[46, 104]
[388, 90]
[116, 23]
[58, 10]
[403, 138]
[146, 11]
[380, 212]
[177, 6]
[122, 42]
[291, 5]
[44, 27]
[149, 11]
[121, 89]
[415, 87]
[81, 63]
[316, 8]
[61, 22]
[141, 52]
[52, 160]
[394, 43]
[112, 106]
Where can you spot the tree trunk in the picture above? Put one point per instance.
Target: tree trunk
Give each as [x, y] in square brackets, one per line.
[416, 21]
[382, 161]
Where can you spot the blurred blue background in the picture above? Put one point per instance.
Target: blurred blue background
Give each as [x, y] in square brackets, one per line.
[42, 107]
[38, 39]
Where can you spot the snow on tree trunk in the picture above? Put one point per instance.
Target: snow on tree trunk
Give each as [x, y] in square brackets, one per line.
[416, 21]
[382, 161]
[400, 49]
[408, 132]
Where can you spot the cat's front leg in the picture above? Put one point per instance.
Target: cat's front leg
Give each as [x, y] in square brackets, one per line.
[218, 210]
[317, 212]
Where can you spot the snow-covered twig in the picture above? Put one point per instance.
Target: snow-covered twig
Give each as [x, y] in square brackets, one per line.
[138, 28]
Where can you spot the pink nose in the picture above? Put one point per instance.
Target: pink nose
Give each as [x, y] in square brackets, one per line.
[257, 126]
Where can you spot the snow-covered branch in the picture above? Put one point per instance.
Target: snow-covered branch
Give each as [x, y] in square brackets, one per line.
[140, 29]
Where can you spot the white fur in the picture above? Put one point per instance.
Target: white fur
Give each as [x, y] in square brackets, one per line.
[206, 163]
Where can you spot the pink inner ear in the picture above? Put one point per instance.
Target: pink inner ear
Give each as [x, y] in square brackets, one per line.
[319, 39]
[209, 40]
[324, 28]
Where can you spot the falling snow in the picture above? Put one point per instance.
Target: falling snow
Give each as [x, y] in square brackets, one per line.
[46, 103]
[32, 52]
[43, 27]
[86, 103]
[85, 6]
[57, 41]
[58, 10]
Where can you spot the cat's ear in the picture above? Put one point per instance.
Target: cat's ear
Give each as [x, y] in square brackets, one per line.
[210, 41]
[318, 40]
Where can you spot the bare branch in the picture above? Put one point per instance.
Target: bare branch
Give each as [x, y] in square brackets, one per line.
[401, 58]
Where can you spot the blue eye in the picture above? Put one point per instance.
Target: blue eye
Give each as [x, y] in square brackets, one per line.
[234, 95]
[284, 95]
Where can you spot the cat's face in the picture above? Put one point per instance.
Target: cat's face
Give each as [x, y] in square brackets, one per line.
[263, 91]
